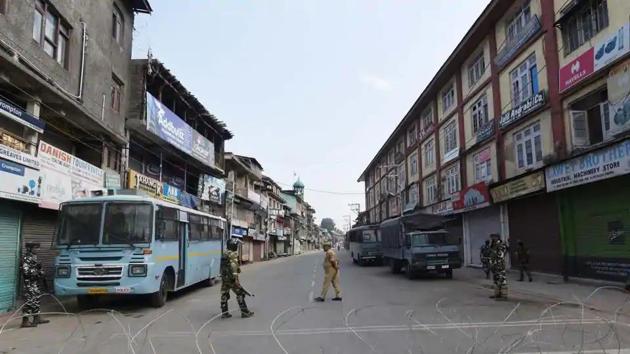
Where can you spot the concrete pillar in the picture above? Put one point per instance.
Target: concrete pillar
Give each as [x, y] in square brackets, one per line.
[33, 107]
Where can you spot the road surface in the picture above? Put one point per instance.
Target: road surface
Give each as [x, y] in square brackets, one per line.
[380, 313]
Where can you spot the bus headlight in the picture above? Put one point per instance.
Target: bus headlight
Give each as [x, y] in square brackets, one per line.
[137, 270]
[63, 271]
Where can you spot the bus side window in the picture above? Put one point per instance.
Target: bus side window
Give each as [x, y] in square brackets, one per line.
[196, 227]
[167, 224]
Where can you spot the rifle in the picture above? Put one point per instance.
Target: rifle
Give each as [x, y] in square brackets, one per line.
[247, 292]
[43, 279]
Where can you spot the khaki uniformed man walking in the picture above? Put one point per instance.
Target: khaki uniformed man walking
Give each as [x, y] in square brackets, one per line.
[331, 274]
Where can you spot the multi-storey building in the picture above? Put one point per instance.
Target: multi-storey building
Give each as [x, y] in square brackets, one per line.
[247, 208]
[176, 146]
[64, 88]
[521, 132]
[277, 241]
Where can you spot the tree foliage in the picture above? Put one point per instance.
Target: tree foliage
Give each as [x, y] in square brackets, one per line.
[328, 224]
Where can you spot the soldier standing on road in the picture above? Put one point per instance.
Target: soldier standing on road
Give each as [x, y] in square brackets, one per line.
[484, 254]
[331, 274]
[33, 275]
[522, 256]
[498, 251]
[230, 270]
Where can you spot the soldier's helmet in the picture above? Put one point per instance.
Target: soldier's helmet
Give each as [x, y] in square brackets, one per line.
[232, 244]
[30, 245]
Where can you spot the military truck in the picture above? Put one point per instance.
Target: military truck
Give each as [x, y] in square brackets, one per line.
[419, 243]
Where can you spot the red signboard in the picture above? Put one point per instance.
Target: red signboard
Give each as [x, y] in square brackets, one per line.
[472, 197]
[577, 70]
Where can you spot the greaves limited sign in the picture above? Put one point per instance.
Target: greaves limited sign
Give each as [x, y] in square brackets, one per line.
[526, 107]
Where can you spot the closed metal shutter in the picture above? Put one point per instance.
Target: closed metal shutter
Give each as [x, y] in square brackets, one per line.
[9, 232]
[479, 225]
[38, 226]
[535, 221]
[245, 250]
[258, 251]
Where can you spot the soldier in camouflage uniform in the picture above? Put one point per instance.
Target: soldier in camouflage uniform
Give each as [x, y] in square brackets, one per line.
[484, 254]
[498, 251]
[230, 269]
[33, 275]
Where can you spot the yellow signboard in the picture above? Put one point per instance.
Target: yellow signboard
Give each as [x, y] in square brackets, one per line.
[152, 187]
[524, 185]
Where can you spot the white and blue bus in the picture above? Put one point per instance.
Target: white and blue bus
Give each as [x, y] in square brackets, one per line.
[129, 244]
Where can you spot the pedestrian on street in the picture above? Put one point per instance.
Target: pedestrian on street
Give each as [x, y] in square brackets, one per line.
[331, 274]
[33, 275]
[230, 269]
[484, 254]
[522, 256]
[498, 251]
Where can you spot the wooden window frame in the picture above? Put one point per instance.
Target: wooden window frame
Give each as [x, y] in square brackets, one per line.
[118, 25]
[61, 30]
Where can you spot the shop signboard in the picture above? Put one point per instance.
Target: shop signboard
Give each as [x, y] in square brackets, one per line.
[149, 186]
[618, 100]
[612, 48]
[518, 187]
[202, 149]
[171, 193]
[162, 122]
[442, 208]
[526, 107]
[112, 179]
[472, 197]
[85, 178]
[239, 231]
[17, 114]
[211, 188]
[20, 178]
[577, 70]
[56, 180]
[594, 166]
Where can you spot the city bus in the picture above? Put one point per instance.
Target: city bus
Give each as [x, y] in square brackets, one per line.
[365, 244]
[132, 245]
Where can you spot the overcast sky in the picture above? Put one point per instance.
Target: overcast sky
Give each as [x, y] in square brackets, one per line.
[311, 88]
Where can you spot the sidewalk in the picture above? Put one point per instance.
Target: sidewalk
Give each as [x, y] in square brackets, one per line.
[597, 295]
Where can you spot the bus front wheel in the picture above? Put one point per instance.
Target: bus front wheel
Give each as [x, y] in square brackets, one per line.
[158, 299]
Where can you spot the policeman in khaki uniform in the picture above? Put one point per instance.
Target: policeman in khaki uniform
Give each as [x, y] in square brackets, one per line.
[331, 274]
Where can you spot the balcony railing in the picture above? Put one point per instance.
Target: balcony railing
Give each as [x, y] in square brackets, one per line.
[511, 47]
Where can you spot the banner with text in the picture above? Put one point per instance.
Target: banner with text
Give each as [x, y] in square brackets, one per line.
[20, 178]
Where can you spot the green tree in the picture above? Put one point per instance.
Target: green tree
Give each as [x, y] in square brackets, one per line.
[328, 224]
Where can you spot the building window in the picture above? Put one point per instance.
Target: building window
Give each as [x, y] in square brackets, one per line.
[391, 157]
[116, 94]
[584, 24]
[51, 33]
[429, 154]
[4, 4]
[483, 165]
[448, 98]
[515, 28]
[402, 180]
[528, 146]
[400, 146]
[450, 137]
[430, 189]
[412, 194]
[480, 113]
[450, 180]
[413, 164]
[524, 80]
[118, 25]
[426, 122]
[476, 69]
[590, 120]
[411, 136]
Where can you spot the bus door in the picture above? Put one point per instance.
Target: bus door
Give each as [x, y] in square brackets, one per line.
[183, 247]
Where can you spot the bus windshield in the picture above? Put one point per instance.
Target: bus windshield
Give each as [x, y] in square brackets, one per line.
[370, 236]
[127, 223]
[80, 224]
[432, 239]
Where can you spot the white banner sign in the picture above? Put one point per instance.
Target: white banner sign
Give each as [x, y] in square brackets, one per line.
[65, 176]
[598, 165]
[20, 178]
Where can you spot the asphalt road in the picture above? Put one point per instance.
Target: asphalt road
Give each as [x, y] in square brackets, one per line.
[380, 313]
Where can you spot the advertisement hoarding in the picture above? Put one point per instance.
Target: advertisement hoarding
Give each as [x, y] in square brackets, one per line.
[20, 178]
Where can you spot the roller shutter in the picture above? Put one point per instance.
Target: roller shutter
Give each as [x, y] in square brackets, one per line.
[38, 226]
[9, 240]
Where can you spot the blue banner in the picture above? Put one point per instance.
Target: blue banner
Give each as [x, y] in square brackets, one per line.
[162, 122]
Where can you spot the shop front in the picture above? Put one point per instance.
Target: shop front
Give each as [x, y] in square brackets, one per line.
[593, 191]
[532, 217]
[479, 220]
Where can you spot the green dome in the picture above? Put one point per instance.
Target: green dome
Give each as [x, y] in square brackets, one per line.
[298, 184]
